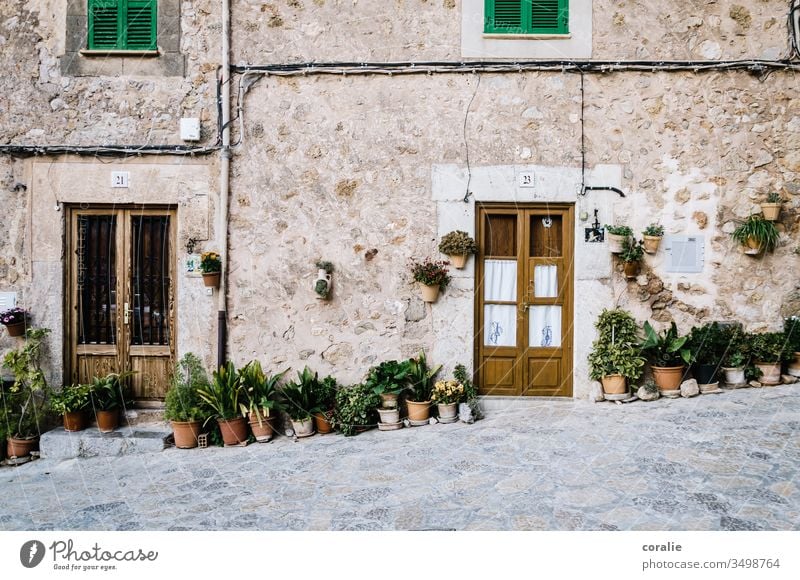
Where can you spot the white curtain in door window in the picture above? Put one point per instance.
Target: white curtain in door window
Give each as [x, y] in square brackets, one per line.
[500, 325]
[544, 326]
[545, 281]
[500, 282]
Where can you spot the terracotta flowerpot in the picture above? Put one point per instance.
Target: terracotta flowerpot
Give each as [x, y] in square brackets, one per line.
[234, 431]
[185, 433]
[614, 385]
[668, 378]
[264, 429]
[429, 293]
[107, 421]
[615, 242]
[770, 373]
[211, 279]
[734, 376]
[631, 269]
[75, 421]
[419, 412]
[771, 211]
[448, 413]
[753, 247]
[322, 424]
[16, 329]
[794, 366]
[651, 243]
[458, 260]
[304, 428]
[389, 400]
[389, 416]
[21, 447]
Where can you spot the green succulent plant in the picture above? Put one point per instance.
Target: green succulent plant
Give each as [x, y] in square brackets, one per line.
[458, 243]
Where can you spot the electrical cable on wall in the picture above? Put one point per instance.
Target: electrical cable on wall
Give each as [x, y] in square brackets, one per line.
[466, 141]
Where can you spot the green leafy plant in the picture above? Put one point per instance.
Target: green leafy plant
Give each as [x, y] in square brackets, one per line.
[791, 328]
[618, 230]
[25, 401]
[457, 243]
[223, 396]
[183, 402]
[667, 349]
[210, 262]
[655, 230]
[110, 392]
[323, 396]
[760, 231]
[616, 349]
[261, 391]
[708, 343]
[462, 376]
[298, 396]
[632, 250]
[430, 273]
[355, 408]
[70, 398]
[389, 377]
[769, 347]
[774, 197]
[420, 378]
[617, 326]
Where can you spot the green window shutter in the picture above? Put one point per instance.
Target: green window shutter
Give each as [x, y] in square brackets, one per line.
[526, 16]
[104, 24]
[140, 30]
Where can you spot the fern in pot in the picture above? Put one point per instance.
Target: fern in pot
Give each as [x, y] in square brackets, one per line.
[458, 245]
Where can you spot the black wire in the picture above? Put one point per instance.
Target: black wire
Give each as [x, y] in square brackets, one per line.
[583, 141]
[466, 141]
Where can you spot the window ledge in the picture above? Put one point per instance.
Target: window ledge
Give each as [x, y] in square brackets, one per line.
[87, 52]
[499, 36]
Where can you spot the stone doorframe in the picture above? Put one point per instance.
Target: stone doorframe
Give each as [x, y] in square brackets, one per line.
[453, 318]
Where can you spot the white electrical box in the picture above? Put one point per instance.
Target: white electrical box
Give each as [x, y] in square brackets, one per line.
[190, 129]
[685, 253]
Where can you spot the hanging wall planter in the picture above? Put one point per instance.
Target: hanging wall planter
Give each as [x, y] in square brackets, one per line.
[432, 277]
[458, 246]
[772, 207]
[211, 267]
[617, 236]
[652, 235]
[15, 321]
[324, 283]
[756, 235]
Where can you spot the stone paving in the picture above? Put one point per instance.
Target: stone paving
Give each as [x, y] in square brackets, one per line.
[714, 462]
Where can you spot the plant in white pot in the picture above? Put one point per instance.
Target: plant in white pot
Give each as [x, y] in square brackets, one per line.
[447, 395]
[615, 357]
[617, 234]
[458, 246]
[298, 402]
[323, 285]
[431, 276]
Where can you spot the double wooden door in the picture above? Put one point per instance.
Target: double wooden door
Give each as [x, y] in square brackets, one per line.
[524, 297]
[121, 296]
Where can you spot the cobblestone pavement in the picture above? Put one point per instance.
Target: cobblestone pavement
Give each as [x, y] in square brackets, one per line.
[714, 462]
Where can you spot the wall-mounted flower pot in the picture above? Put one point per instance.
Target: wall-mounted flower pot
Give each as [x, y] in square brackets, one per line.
[323, 284]
[753, 247]
[429, 293]
[458, 260]
[107, 421]
[614, 385]
[211, 279]
[16, 329]
[668, 378]
[771, 211]
[631, 269]
[234, 431]
[75, 421]
[615, 242]
[185, 433]
[770, 373]
[651, 243]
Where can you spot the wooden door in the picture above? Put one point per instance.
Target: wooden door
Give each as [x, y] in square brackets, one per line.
[121, 298]
[524, 286]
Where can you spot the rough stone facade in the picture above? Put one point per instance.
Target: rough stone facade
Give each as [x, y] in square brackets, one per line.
[368, 171]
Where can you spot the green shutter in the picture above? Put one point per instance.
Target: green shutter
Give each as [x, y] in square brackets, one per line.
[140, 32]
[104, 25]
[526, 16]
[122, 24]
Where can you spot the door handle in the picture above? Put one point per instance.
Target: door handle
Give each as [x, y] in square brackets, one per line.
[126, 313]
[523, 307]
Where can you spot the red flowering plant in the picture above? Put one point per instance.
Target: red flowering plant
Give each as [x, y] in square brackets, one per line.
[13, 316]
[430, 273]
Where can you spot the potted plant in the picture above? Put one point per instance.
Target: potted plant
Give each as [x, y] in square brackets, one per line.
[708, 345]
[756, 235]
[355, 409]
[262, 397]
[211, 267]
[458, 246]
[223, 399]
[432, 276]
[470, 410]
[420, 385]
[771, 209]
[447, 395]
[324, 282]
[617, 235]
[791, 328]
[615, 358]
[108, 397]
[769, 351]
[324, 401]
[668, 356]
[183, 406]
[631, 256]
[24, 400]
[299, 402]
[652, 235]
[15, 321]
[388, 380]
[71, 402]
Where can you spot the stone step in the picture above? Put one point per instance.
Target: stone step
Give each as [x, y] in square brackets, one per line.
[144, 416]
[128, 440]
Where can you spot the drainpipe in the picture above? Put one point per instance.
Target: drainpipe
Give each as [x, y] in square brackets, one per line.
[224, 185]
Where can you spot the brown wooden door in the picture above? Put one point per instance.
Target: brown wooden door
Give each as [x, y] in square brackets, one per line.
[121, 299]
[524, 300]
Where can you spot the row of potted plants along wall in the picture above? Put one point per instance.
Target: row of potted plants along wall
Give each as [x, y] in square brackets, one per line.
[620, 352]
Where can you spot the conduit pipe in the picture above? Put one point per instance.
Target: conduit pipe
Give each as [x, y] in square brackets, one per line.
[224, 185]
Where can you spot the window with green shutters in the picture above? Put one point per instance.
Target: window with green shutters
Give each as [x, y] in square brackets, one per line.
[527, 16]
[122, 24]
